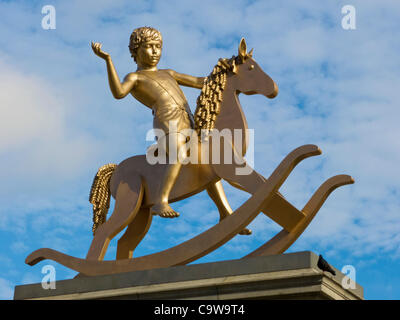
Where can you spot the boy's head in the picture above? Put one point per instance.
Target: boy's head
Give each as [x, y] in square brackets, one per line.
[142, 35]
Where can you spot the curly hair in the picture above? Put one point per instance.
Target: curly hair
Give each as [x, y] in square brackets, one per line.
[141, 35]
[210, 98]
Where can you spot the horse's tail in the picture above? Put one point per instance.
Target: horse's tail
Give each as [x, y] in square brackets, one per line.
[100, 194]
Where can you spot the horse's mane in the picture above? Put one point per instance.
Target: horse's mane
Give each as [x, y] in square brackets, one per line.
[210, 98]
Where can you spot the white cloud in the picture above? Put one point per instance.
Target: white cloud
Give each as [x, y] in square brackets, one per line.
[19, 247]
[35, 138]
[6, 289]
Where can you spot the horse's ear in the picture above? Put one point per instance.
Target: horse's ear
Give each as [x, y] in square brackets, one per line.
[250, 54]
[242, 49]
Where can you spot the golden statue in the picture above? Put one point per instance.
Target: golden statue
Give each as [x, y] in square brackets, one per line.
[142, 190]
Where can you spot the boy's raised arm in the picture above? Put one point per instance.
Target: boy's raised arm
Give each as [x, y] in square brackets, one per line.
[188, 81]
[118, 89]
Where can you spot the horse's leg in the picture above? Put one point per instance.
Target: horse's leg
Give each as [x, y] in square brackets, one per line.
[135, 232]
[128, 200]
[241, 176]
[217, 194]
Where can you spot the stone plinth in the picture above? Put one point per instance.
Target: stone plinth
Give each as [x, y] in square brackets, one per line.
[286, 276]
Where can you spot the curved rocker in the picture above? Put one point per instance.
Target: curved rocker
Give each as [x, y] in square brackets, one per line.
[284, 239]
[198, 246]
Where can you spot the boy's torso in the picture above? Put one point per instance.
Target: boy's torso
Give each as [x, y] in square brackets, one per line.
[159, 91]
[156, 89]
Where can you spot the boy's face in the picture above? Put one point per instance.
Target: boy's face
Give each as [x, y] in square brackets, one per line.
[149, 53]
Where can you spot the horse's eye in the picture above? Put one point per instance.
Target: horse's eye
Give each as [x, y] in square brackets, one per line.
[251, 67]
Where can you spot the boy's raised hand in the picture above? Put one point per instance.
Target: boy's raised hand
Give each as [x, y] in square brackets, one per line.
[96, 46]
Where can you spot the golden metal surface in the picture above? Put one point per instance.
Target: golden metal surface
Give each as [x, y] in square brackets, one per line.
[100, 194]
[209, 100]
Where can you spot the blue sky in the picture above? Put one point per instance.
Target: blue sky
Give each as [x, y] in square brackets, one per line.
[338, 89]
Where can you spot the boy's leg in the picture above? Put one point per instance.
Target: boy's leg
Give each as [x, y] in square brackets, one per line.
[174, 142]
[217, 194]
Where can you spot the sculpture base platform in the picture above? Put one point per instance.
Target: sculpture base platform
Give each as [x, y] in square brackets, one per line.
[286, 276]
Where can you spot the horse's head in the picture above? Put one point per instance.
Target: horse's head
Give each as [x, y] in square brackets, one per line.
[249, 77]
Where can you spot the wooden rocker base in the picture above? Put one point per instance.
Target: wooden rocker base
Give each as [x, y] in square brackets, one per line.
[284, 239]
[216, 236]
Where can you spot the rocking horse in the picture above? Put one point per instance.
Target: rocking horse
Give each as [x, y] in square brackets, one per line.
[133, 181]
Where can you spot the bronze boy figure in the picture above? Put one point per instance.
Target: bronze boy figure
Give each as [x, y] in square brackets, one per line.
[159, 90]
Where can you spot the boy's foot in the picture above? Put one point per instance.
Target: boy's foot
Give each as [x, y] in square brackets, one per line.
[245, 231]
[163, 210]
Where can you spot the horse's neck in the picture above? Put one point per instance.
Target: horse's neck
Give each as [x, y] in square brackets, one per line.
[231, 115]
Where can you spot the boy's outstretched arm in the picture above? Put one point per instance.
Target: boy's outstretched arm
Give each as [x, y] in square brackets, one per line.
[118, 89]
[186, 80]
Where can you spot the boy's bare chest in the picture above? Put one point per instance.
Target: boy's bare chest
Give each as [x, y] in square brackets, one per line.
[157, 87]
